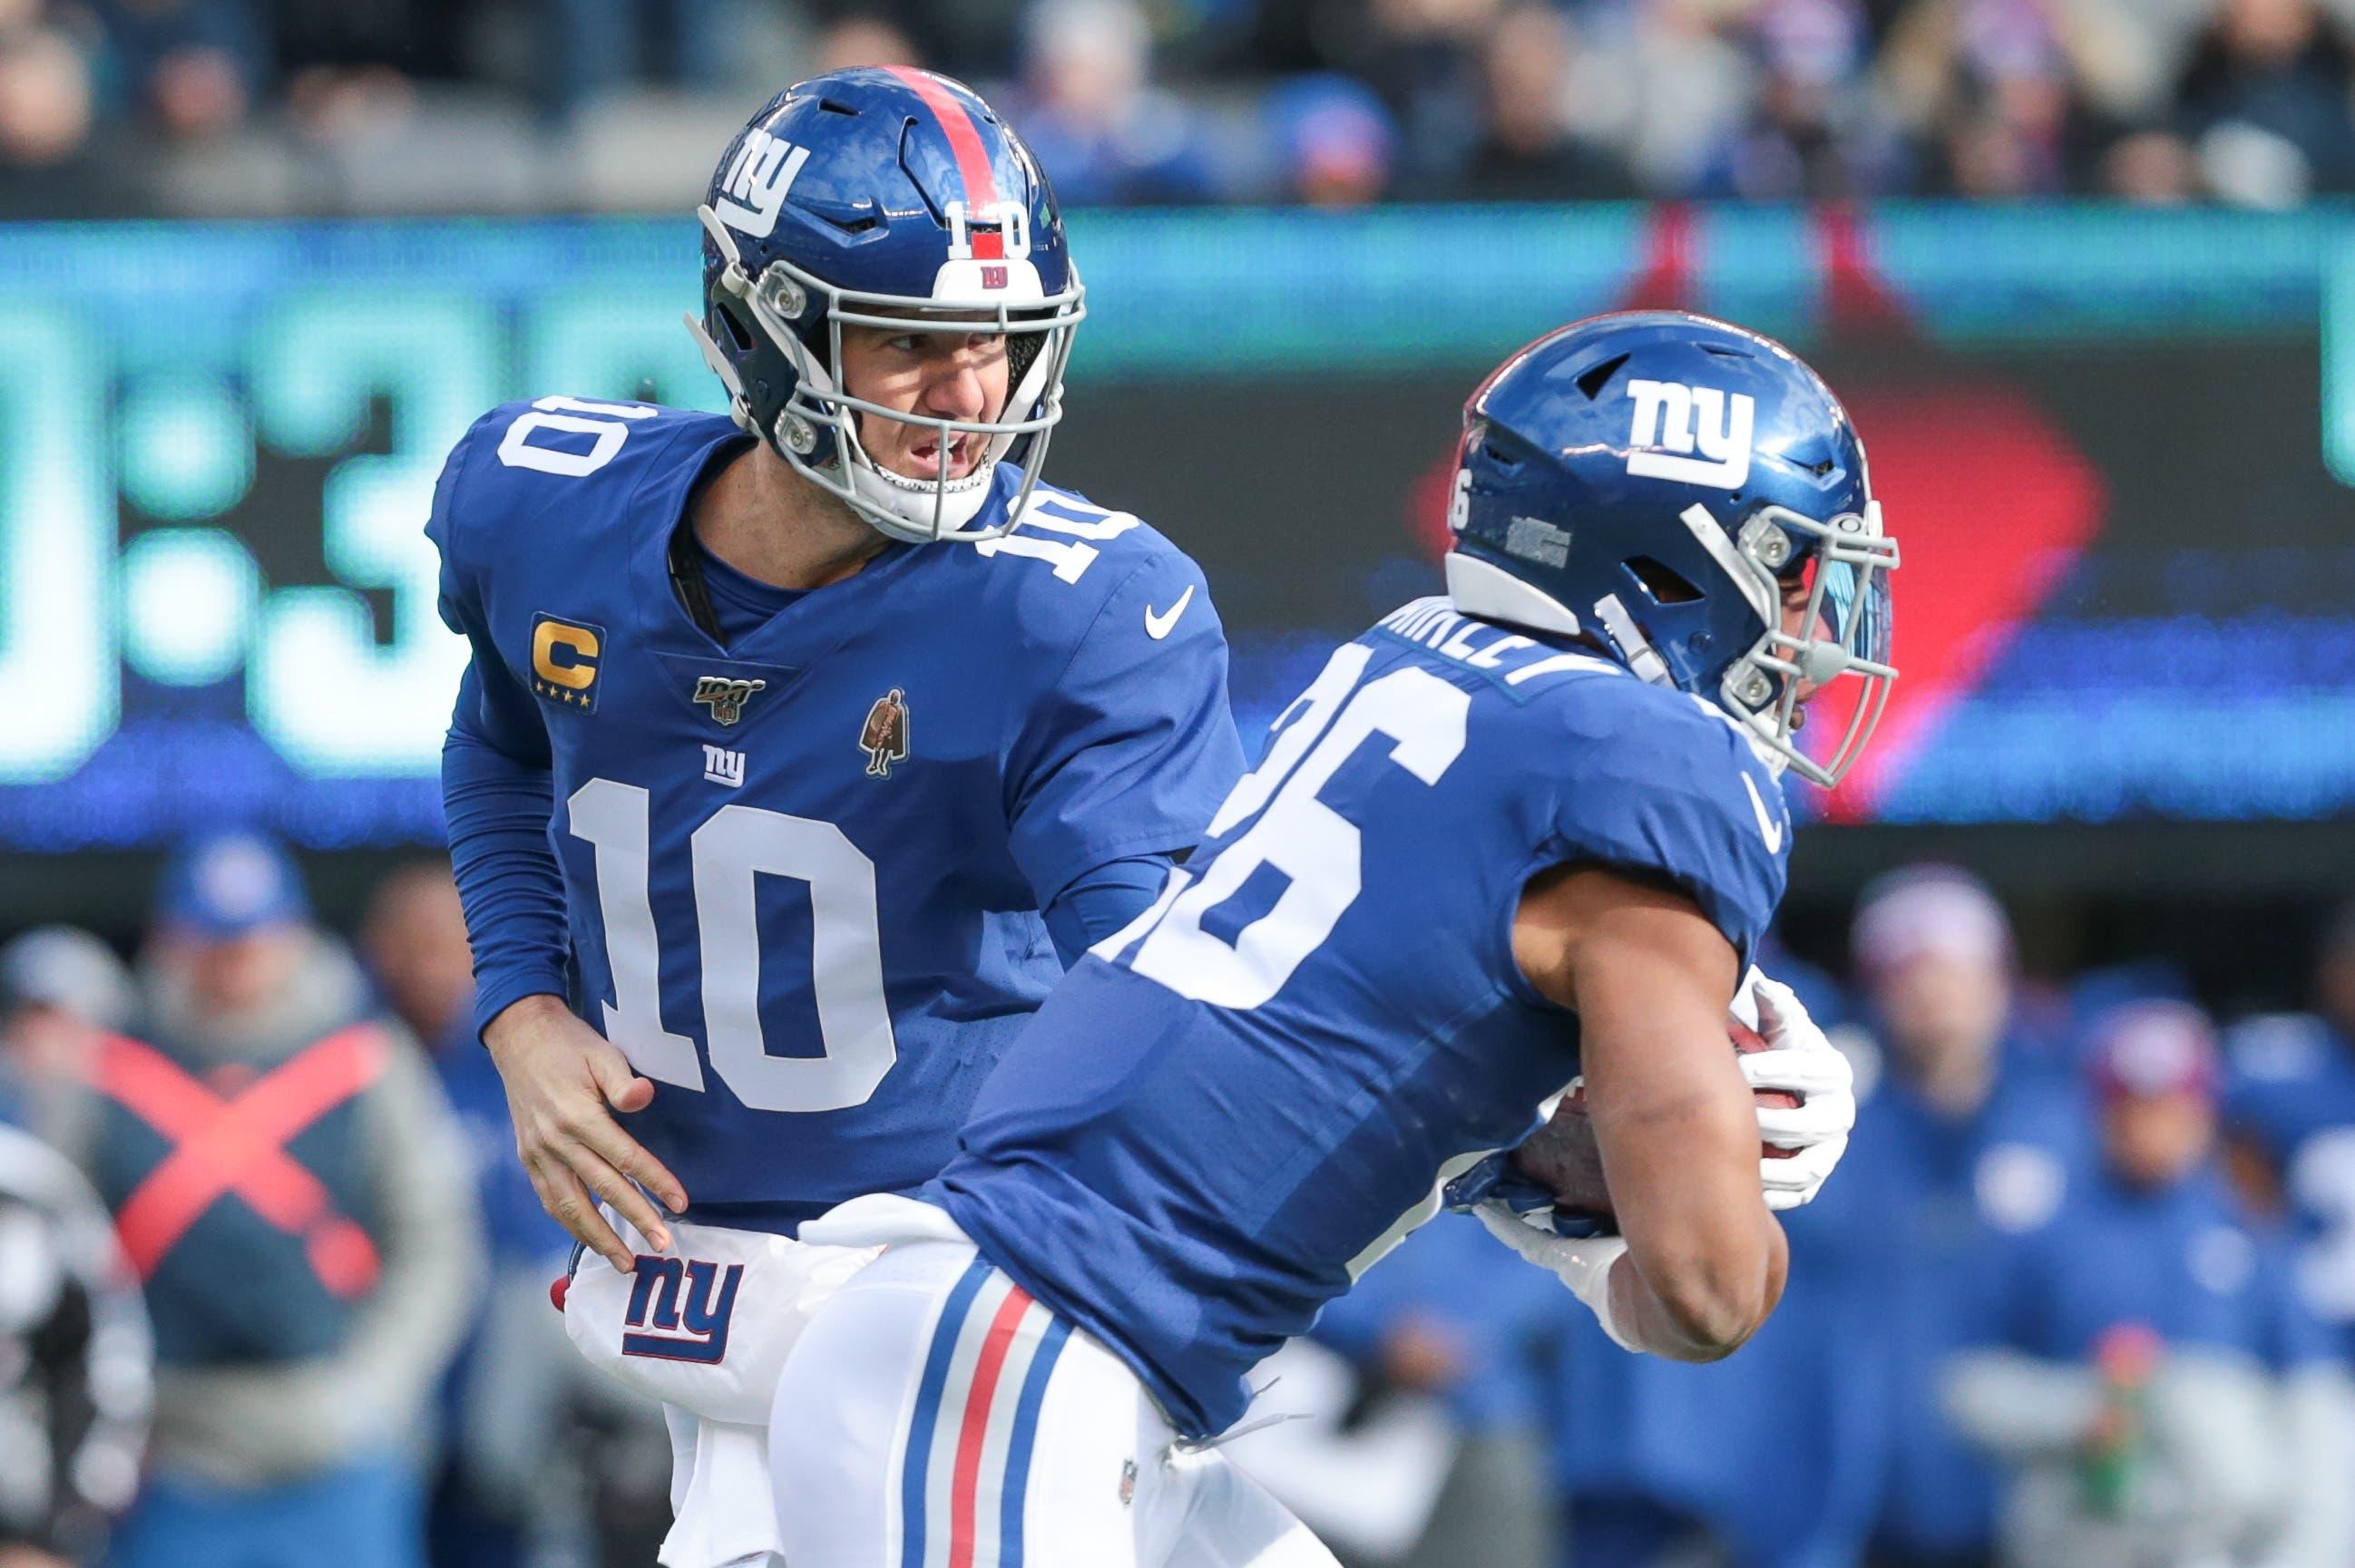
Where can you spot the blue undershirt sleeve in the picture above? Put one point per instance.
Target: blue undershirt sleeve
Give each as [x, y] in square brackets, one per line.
[497, 807]
[496, 792]
[1102, 901]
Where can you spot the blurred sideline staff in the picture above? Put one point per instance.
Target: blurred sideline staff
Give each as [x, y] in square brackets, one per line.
[2159, 1390]
[286, 1183]
[1975, 1133]
[2290, 1107]
[75, 1356]
[544, 1459]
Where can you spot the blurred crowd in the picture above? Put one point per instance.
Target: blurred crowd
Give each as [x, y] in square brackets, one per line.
[270, 105]
[2082, 1295]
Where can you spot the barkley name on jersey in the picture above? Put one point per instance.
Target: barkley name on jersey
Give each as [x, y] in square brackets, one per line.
[1239, 1103]
[801, 873]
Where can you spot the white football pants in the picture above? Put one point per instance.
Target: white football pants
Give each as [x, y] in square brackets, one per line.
[932, 1415]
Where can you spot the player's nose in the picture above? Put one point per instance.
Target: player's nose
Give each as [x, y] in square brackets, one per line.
[953, 390]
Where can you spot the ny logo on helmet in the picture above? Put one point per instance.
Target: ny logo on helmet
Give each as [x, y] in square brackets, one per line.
[1679, 418]
[725, 698]
[757, 182]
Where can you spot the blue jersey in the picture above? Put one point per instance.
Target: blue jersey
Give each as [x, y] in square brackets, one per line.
[1234, 1106]
[2292, 1089]
[802, 874]
[2188, 1261]
[1938, 1190]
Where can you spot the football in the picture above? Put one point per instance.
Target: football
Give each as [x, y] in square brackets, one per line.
[1563, 1157]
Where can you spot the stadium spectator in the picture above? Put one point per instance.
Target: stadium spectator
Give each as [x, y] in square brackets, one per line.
[2003, 118]
[588, 48]
[75, 1363]
[284, 1176]
[1664, 81]
[2264, 99]
[1091, 113]
[2245, 100]
[190, 69]
[861, 40]
[1528, 149]
[1814, 131]
[1334, 142]
[51, 162]
[46, 94]
[1971, 1134]
[2159, 1390]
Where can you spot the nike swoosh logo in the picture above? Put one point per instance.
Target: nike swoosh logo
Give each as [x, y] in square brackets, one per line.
[1158, 626]
[1768, 828]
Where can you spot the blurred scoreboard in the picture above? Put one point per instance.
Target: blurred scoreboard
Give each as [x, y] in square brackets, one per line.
[2130, 583]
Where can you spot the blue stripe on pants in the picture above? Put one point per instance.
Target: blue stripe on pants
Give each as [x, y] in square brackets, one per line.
[919, 1457]
[1018, 1445]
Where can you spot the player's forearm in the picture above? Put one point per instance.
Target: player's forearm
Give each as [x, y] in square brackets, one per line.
[1704, 1306]
[497, 809]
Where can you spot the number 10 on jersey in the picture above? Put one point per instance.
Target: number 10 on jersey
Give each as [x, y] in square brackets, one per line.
[735, 846]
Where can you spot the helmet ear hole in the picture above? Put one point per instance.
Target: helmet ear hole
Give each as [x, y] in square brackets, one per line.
[1664, 584]
[738, 338]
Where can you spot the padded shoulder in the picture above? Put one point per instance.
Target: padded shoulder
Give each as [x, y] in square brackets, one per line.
[1657, 781]
[530, 475]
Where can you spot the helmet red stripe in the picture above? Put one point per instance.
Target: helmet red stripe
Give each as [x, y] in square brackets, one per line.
[965, 141]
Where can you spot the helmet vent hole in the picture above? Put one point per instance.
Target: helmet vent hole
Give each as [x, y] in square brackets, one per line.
[738, 338]
[1818, 468]
[1665, 584]
[854, 225]
[1725, 351]
[1594, 381]
[828, 106]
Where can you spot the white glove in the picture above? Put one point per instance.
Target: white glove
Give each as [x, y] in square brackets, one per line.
[1799, 1059]
[1583, 1265]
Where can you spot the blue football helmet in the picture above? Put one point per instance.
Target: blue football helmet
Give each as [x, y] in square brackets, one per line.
[885, 198]
[1654, 480]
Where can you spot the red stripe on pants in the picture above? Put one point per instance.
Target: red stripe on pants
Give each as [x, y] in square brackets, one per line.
[965, 1479]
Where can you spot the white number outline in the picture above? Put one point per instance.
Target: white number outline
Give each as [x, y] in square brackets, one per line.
[575, 416]
[1427, 722]
[1079, 524]
[730, 853]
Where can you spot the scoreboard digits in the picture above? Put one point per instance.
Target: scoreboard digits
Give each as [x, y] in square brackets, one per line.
[129, 513]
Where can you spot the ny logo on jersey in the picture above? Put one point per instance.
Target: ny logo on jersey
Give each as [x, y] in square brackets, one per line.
[721, 765]
[757, 183]
[681, 1307]
[884, 736]
[1680, 419]
[726, 695]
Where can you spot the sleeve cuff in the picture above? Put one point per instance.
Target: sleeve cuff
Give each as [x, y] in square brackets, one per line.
[495, 996]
